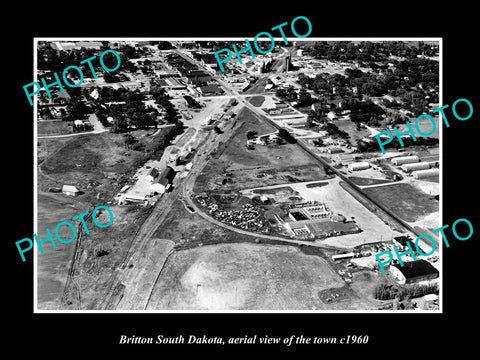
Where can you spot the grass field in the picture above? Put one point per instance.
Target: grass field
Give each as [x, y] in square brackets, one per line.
[364, 283]
[408, 202]
[360, 181]
[257, 100]
[264, 165]
[54, 127]
[351, 129]
[246, 276]
[52, 265]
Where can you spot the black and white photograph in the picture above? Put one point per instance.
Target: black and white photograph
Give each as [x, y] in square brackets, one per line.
[240, 178]
[270, 184]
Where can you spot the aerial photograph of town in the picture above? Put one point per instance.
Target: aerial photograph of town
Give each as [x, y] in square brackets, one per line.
[261, 187]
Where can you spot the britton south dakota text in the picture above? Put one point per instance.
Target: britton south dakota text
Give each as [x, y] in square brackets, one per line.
[161, 339]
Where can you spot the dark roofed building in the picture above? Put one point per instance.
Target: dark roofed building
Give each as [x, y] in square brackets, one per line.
[413, 271]
[152, 174]
[210, 90]
[191, 101]
[160, 183]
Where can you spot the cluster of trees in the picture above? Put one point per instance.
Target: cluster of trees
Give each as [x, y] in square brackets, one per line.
[54, 60]
[163, 99]
[133, 112]
[287, 94]
[285, 135]
[165, 45]
[373, 145]
[153, 146]
[384, 291]
[367, 51]
[76, 110]
[334, 130]
[363, 111]
[303, 98]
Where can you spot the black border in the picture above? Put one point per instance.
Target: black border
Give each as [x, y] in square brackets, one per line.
[419, 334]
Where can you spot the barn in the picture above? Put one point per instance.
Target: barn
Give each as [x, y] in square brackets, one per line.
[159, 185]
[414, 271]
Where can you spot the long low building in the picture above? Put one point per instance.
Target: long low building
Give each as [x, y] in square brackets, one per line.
[405, 160]
[422, 174]
[415, 166]
[356, 166]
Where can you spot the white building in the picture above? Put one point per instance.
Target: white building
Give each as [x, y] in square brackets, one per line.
[405, 160]
[70, 190]
[415, 166]
[331, 115]
[342, 256]
[423, 174]
[356, 166]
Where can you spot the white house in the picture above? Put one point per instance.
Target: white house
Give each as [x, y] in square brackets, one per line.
[70, 190]
[331, 115]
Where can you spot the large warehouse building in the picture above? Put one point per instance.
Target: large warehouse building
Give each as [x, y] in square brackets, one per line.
[423, 174]
[413, 271]
[405, 160]
[416, 166]
[356, 166]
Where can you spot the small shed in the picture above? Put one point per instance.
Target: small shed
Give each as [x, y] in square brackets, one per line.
[70, 190]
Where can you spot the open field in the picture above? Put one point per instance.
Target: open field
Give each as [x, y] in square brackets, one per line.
[350, 127]
[361, 181]
[405, 200]
[53, 264]
[233, 166]
[364, 283]
[246, 276]
[103, 250]
[257, 101]
[141, 277]
[58, 127]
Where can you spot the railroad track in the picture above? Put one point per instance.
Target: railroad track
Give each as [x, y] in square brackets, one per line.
[71, 270]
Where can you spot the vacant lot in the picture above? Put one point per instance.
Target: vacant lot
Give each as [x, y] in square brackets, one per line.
[98, 163]
[361, 181]
[351, 129]
[54, 127]
[246, 277]
[233, 166]
[257, 100]
[364, 283]
[53, 264]
[103, 250]
[408, 202]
